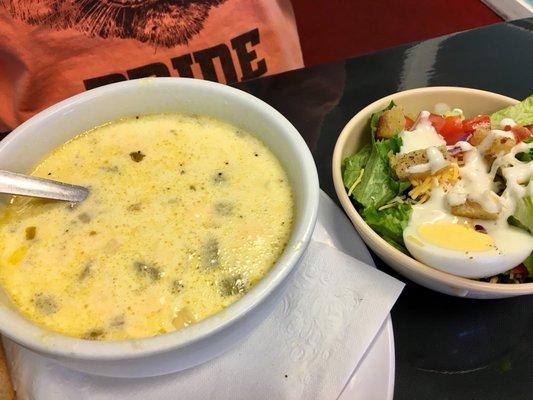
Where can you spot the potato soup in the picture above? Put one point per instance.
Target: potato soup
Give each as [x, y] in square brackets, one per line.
[185, 214]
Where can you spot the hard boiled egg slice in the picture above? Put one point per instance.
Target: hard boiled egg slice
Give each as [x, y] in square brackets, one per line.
[454, 246]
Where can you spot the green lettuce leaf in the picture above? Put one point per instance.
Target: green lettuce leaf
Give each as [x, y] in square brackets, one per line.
[395, 143]
[526, 157]
[378, 185]
[523, 214]
[354, 164]
[521, 113]
[389, 223]
[404, 185]
[528, 263]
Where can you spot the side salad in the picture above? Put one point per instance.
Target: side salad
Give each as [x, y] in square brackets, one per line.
[450, 190]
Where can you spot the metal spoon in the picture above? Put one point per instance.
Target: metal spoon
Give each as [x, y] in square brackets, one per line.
[24, 185]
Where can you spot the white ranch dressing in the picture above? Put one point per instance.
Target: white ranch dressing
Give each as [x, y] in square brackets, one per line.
[477, 181]
[516, 174]
[436, 162]
[422, 136]
[507, 122]
[464, 146]
[499, 133]
[419, 168]
[436, 159]
[493, 134]
[476, 184]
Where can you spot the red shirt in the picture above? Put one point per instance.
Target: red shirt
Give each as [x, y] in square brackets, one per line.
[50, 50]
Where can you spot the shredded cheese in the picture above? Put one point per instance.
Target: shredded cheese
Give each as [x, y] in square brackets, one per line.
[422, 186]
[357, 181]
[392, 203]
[389, 205]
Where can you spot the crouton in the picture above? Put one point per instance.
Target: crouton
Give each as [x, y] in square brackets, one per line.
[472, 209]
[401, 162]
[500, 145]
[478, 136]
[391, 122]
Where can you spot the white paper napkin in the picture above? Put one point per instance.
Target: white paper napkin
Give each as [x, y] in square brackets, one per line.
[306, 349]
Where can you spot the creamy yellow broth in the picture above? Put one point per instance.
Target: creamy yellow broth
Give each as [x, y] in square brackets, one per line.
[186, 213]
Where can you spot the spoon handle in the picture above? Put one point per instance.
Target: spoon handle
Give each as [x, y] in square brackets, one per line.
[24, 185]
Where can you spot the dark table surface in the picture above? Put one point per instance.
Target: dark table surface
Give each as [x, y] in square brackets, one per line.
[446, 347]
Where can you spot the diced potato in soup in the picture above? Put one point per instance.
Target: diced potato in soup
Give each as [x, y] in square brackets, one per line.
[186, 214]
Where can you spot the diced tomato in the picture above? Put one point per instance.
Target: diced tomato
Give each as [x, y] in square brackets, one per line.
[521, 133]
[520, 269]
[452, 130]
[408, 123]
[437, 121]
[471, 124]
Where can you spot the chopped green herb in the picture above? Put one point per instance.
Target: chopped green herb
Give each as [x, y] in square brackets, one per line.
[232, 285]
[94, 334]
[224, 208]
[137, 156]
[118, 321]
[210, 254]
[85, 218]
[177, 286]
[86, 271]
[135, 207]
[30, 232]
[45, 303]
[219, 177]
[113, 169]
[148, 271]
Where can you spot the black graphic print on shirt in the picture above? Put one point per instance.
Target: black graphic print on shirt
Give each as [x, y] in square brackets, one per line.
[166, 23]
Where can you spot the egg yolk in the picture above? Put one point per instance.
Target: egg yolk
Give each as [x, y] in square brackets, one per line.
[461, 237]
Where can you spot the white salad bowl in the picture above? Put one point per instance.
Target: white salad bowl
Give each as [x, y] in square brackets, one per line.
[356, 134]
[197, 343]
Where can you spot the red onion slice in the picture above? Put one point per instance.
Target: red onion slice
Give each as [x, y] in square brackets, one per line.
[466, 137]
[454, 151]
[480, 228]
